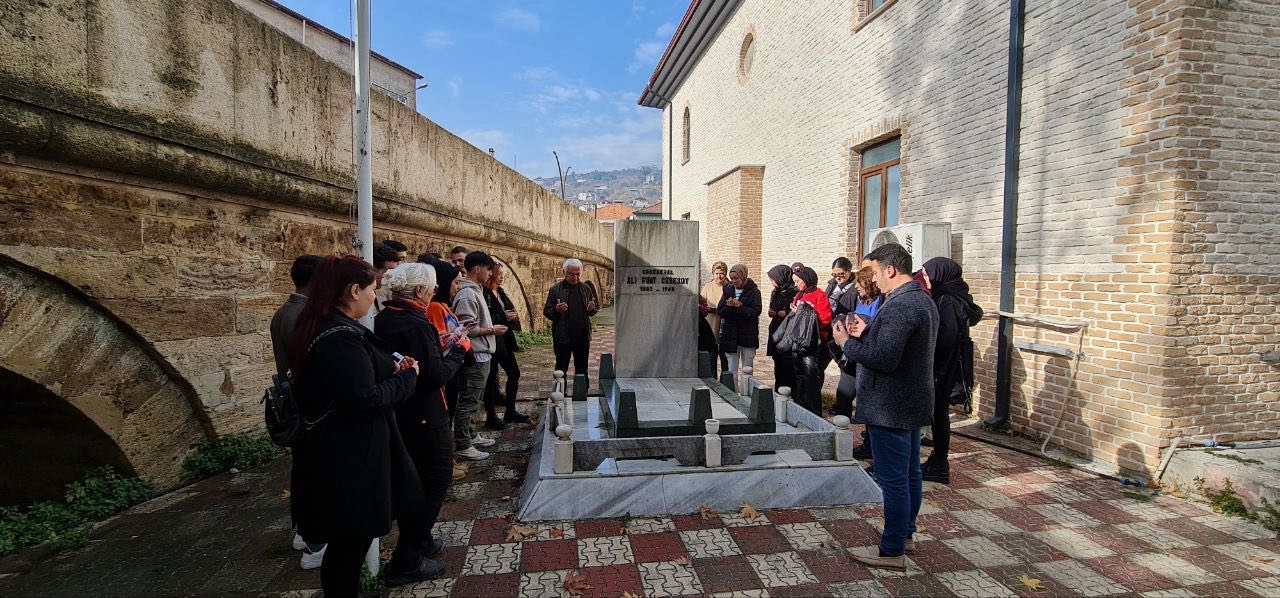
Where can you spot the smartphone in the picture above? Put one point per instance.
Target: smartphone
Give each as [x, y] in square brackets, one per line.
[397, 357]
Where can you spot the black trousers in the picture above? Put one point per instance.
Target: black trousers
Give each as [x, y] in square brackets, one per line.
[784, 372]
[941, 431]
[506, 361]
[845, 394]
[432, 452]
[340, 570]
[808, 390]
[580, 350]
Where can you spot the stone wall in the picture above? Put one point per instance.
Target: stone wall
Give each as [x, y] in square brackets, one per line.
[168, 160]
[1147, 187]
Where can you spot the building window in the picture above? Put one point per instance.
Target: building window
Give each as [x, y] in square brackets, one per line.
[872, 5]
[868, 10]
[880, 186]
[684, 143]
[746, 56]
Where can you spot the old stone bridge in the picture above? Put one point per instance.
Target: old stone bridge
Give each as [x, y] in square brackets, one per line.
[161, 164]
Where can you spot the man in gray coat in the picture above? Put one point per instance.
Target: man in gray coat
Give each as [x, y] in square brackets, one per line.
[894, 354]
[287, 315]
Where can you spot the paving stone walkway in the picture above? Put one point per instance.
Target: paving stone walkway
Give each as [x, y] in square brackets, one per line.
[1009, 524]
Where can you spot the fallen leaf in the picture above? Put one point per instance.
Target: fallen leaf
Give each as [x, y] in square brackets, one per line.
[285, 495]
[576, 584]
[919, 529]
[557, 532]
[748, 512]
[506, 515]
[626, 531]
[517, 533]
[683, 561]
[629, 595]
[706, 513]
[1177, 494]
[1257, 559]
[1030, 582]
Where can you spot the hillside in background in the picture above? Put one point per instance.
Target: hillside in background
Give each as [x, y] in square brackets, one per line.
[635, 187]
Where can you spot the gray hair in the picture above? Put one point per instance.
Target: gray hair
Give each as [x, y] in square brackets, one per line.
[405, 278]
[571, 263]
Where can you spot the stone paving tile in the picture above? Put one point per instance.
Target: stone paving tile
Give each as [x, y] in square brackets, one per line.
[662, 546]
[543, 583]
[1174, 568]
[790, 516]
[669, 579]
[1159, 537]
[1065, 515]
[453, 533]
[1026, 518]
[490, 559]
[604, 551]
[1027, 548]
[708, 543]
[487, 586]
[613, 580]
[1263, 586]
[1080, 579]
[1129, 574]
[1262, 559]
[1239, 528]
[869, 588]
[981, 551]
[548, 555]
[736, 520]
[806, 536]
[834, 566]
[936, 556]
[1221, 564]
[989, 499]
[781, 569]
[982, 519]
[726, 574]
[974, 584]
[651, 525]
[915, 585]
[759, 540]
[1196, 531]
[428, 589]
[1072, 543]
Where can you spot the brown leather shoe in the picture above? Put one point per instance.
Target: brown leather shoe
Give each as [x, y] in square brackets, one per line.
[911, 546]
[871, 558]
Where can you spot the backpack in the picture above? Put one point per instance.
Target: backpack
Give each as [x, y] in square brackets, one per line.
[285, 424]
[798, 333]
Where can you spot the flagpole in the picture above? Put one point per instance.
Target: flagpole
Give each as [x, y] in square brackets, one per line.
[364, 173]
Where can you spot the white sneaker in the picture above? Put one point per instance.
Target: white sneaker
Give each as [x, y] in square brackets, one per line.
[298, 542]
[473, 454]
[482, 441]
[312, 560]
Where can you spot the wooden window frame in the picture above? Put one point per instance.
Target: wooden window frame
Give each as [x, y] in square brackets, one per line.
[881, 169]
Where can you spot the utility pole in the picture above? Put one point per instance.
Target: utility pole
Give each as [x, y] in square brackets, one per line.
[559, 170]
[364, 170]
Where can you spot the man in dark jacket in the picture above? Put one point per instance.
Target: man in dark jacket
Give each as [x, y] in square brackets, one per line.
[894, 354]
[285, 317]
[570, 305]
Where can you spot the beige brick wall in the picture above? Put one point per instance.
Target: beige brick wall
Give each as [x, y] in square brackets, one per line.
[733, 234]
[1147, 187]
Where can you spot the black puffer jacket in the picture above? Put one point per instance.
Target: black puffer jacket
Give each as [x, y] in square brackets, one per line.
[740, 326]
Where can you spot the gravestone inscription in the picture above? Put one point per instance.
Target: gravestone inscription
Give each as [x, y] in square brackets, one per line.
[656, 273]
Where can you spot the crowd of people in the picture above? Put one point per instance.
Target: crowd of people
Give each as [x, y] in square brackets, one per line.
[899, 338]
[388, 411]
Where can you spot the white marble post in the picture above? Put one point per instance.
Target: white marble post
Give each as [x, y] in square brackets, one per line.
[714, 445]
[780, 400]
[746, 379]
[557, 382]
[564, 449]
[843, 438]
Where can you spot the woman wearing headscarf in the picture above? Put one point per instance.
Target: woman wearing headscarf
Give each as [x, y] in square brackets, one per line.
[424, 419]
[739, 309]
[808, 366]
[952, 358]
[448, 282]
[354, 475]
[784, 291]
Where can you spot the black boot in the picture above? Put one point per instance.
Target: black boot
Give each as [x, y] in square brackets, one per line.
[400, 573]
[493, 422]
[514, 417]
[936, 472]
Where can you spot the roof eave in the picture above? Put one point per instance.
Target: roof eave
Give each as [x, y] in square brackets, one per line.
[699, 27]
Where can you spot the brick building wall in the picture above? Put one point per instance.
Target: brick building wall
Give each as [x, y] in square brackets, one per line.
[733, 236]
[1147, 195]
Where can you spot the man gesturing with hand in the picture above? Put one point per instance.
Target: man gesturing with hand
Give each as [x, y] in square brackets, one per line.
[570, 305]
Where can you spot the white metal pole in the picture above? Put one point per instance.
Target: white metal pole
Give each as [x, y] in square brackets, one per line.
[364, 175]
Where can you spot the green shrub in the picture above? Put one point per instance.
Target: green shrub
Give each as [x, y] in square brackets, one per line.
[101, 494]
[530, 339]
[234, 450]
[370, 583]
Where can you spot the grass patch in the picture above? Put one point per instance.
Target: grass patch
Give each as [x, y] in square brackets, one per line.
[234, 450]
[1237, 458]
[530, 339]
[1225, 501]
[1138, 496]
[101, 494]
[369, 582]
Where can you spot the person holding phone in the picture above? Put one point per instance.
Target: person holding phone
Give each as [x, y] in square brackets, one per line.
[424, 419]
[472, 310]
[809, 367]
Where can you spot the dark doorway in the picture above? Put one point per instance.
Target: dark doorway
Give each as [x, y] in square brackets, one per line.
[46, 443]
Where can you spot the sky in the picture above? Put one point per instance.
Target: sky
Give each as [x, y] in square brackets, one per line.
[528, 77]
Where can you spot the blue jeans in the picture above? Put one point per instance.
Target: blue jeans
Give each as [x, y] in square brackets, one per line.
[897, 465]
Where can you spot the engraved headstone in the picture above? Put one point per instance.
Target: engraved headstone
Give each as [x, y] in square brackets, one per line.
[657, 299]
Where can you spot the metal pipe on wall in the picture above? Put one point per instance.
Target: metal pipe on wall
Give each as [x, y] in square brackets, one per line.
[1009, 228]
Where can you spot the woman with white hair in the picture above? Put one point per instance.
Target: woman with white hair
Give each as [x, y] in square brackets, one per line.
[424, 418]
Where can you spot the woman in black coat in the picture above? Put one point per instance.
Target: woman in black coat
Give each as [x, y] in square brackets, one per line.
[353, 474]
[739, 309]
[424, 418]
[503, 313]
[784, 292]
[952, 356]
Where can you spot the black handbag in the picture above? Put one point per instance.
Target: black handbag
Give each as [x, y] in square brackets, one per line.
[285, 424]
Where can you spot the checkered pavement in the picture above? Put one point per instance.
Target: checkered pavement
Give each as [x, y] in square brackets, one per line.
[1008, 524]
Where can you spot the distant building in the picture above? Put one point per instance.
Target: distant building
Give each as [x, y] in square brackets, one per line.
[387, 76]
[650, 212]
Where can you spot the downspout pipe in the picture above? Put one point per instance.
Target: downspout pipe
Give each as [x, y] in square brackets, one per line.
[1009, 227]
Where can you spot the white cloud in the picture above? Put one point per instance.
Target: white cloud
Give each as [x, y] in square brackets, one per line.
[519, 19]
[536, 73]
[665, 30]
[437, 38]
[488, 138]
[648, 53]
[554, 95]
[614, 144]
[454, 84]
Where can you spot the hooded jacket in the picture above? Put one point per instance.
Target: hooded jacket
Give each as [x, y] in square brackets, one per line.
[470, 306]
[740, 326]
[957, 312]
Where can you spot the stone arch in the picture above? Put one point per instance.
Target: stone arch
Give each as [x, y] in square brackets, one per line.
[55, 337]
